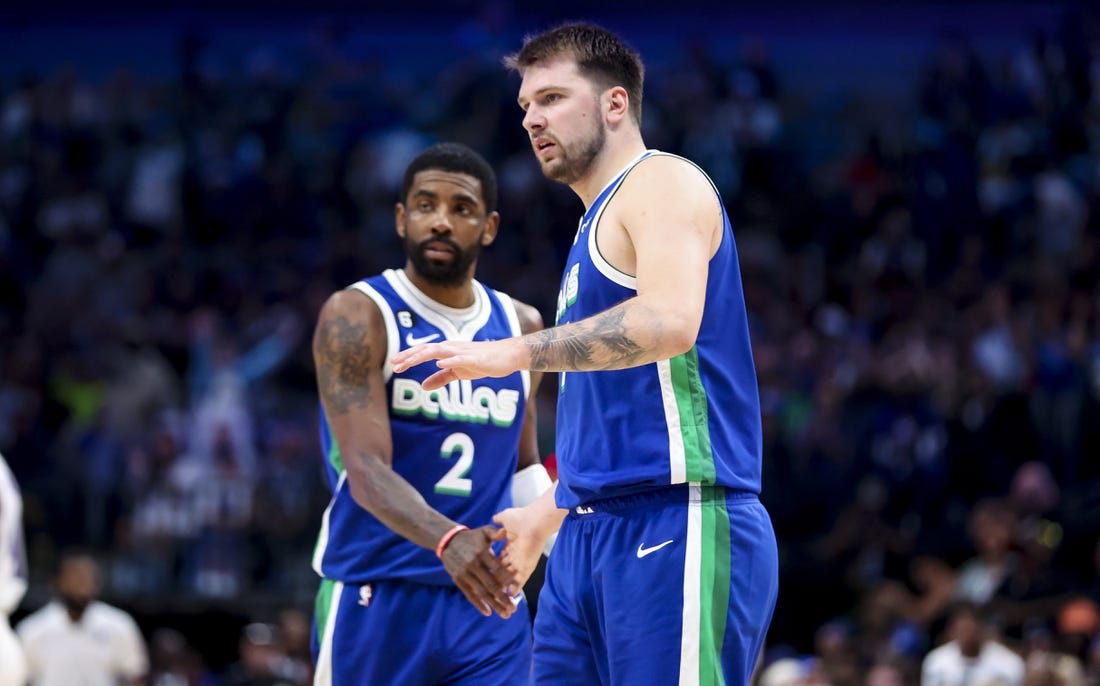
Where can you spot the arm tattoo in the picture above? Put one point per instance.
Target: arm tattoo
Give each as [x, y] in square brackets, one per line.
[551, 349]
[343, 364]
[602, 343]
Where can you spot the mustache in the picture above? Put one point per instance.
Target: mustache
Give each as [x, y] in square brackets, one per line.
[438, 241]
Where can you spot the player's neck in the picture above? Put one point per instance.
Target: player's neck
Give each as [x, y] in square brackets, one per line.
[457, 296]
[617, 153]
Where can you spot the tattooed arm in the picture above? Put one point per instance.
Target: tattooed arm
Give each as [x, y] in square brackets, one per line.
[349, 346]
[663, 226]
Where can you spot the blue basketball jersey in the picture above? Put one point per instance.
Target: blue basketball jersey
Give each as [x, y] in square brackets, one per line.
[694, 418]
[458, 446]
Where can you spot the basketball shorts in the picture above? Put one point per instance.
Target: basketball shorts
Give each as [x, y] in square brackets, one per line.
[675, 586]
[407, 634]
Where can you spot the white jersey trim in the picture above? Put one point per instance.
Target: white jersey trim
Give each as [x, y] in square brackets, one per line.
[322, 537]
[603, 266]
[323, 675]
[446, 319]
[677, 460]
[693, 565]
[609, 271]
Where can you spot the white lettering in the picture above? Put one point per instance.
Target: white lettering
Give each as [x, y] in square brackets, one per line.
[567, 295]
[458, 401]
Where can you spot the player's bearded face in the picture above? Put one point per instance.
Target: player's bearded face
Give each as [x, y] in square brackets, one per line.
[575, 158]
[442, 271]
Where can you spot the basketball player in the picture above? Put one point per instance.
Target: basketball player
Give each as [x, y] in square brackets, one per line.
[13, 577]
[408, 591]
[665, 570]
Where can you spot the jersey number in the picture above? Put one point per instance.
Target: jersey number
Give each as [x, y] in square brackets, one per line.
[454, 482]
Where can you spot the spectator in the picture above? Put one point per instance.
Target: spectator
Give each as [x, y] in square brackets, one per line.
[971, 657]
[76, 638]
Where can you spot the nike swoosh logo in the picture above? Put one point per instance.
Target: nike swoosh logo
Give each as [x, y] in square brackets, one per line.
[409, 339]
[643, 551]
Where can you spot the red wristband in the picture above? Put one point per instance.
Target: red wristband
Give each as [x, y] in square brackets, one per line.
[447, 539]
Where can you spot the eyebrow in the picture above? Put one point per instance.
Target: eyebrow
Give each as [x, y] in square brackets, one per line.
[560, 89]
[460, 197]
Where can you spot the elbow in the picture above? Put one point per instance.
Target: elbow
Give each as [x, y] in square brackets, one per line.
[681, 334]
[363, 481]
[680, 343]
[360, 493]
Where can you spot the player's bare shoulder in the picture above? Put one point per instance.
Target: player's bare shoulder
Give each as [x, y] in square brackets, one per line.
[672, 177]
[349, 346]
[674, 192]
[348, 315]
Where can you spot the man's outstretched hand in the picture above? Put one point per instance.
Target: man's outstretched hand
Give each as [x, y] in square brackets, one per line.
[462, 360]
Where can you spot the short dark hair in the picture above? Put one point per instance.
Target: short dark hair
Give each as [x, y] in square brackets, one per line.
[601, 57]
[457, 158]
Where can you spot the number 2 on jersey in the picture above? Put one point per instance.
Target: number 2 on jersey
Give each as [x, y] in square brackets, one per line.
[454, 482]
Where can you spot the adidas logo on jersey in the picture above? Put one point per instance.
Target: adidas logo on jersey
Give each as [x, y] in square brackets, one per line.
[458, 401]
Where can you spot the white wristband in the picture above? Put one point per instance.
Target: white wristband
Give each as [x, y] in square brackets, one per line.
[550, 544]
[529, 483]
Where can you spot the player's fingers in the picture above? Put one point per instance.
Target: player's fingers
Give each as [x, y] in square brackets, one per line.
[474, 597]
[497, 534]
[439, 379]
[414, 356]
[493, 575]
[493, 589]
[517, 570]
[455, 362]
[500, 572]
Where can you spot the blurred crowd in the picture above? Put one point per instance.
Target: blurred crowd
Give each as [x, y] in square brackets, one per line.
[922, 279]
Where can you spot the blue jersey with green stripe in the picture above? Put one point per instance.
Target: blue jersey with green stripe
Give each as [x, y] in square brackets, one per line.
[692, 419]
[458, 446]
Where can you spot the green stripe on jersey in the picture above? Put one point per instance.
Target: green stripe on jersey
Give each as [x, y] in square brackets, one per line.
[333, 456]
[714, 586]
[691, 403]
[323, 606]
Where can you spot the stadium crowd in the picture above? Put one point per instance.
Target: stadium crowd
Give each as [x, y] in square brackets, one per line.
[923, 290]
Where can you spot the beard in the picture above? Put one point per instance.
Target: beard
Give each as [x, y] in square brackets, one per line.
[75, 604]
[452, 273]
[575, 162]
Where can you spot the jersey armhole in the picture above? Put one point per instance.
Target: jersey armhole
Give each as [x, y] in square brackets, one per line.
[392, 340]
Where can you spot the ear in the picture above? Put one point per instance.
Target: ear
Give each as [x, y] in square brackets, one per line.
[618, 104]
[492, 225]
[399, 218]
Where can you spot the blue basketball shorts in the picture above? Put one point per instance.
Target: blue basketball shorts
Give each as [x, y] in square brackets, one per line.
[407, 634]
[675, 586]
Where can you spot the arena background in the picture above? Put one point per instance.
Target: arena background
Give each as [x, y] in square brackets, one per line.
[915, 191]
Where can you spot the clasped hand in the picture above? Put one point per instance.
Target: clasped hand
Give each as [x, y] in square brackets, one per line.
[490, 582]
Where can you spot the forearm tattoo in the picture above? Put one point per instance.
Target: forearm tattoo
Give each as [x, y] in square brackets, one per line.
[602, 343]
[343, 364]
